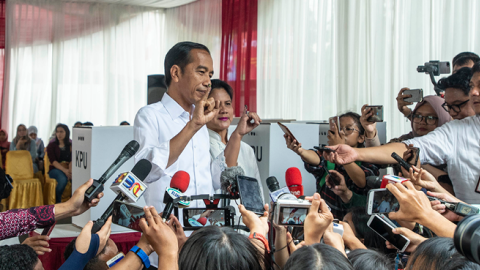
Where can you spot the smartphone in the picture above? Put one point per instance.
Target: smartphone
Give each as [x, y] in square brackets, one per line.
[414, 158]
[127, 215]
[324, 149]
[287, 131]
[401, 161]
[381, 201]
[48, 230]
[377, 113]
[334, 120]
[292, 216]
[417, 95]
[250, 195]
[197, 218]
[383, 227]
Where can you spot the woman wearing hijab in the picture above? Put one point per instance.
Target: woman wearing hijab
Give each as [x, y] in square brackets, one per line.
[23, 142]
[32, 133]
[4, 145]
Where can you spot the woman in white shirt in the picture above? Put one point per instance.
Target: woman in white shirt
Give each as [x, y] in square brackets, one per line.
[231, 149]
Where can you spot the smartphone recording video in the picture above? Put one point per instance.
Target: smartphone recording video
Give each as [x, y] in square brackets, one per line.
[196, 218]
[383, 227]
[377, 113]
[381, 201]
[250, 194]
[127, 215]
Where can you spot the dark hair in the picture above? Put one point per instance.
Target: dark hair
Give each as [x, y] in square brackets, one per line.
[17, 257]
[215, 247]
[124, 122]
[78, 122]
[66, 140]
[460, 263]
[88, 124]
[180, 55]
[463, 57]
[370, 259]
[356, 119]
[476, 68]
[216, 83]
[317, 256]
[432, 254]
[458, 80]
[370, 238]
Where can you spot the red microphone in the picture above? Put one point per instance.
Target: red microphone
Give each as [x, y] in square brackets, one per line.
[293, 177]
[202, 220]
[178, 184]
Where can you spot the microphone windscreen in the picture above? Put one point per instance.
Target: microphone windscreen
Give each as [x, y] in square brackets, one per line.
[202, 220]
[142, 169]
[229, 177]
[131, 148]
[180, 180]
[293, 177]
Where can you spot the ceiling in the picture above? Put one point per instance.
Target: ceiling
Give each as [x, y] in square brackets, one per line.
[145, 3]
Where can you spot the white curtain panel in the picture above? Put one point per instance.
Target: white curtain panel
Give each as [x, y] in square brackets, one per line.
[71, 62]
[317, 59]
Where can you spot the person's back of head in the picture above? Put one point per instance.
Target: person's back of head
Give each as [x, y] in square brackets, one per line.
[432, 254]
[19, 257]
[370, 259]
[214, 247]
[460, 263]
[317, 256]
[464, 59]
[459, 80]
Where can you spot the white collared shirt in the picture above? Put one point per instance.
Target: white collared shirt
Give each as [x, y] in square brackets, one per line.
[457, 144]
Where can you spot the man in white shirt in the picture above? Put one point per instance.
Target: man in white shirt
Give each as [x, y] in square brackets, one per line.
[172, 133]
[456, 143]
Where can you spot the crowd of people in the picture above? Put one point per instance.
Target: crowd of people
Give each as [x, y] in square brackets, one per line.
[188, 130]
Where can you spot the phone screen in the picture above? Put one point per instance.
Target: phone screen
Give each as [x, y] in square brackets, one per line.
[196, 218]
[250, 195]
[385, 231]
[292, 216]
[377, 114]
[383, 201]
[127, 215]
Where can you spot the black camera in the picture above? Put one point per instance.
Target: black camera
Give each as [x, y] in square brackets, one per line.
[467, 238]
[435, 68]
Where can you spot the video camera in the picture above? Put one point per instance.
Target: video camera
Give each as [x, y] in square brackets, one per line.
[435, 68]
[467, 238]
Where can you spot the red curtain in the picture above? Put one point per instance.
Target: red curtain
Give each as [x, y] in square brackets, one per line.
[238, 63]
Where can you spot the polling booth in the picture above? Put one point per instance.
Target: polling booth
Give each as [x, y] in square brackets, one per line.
[272, 155]
[94, 149]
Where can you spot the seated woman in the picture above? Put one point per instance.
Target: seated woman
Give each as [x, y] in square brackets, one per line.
[354, 174]
[23, 142]
[4, 145]
[60, 155]
[32, 133]
[427, 116]
[233, 150]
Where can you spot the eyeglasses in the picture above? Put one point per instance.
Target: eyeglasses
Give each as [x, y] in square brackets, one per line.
[455, 107]
[430, 120]
[347, 131]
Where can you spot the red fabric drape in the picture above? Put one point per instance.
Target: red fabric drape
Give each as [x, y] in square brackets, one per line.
[238, 63]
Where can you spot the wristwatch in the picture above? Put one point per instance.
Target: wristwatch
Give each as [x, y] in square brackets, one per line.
[142, 255]
[261, 238]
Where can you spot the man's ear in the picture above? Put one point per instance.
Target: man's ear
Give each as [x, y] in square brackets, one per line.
[175, 73]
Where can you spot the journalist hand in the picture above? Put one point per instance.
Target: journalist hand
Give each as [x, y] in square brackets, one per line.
[77, 204]
[39, 243]
[317, 220]
[343, 154]
[415, 239]
[402, 104]
[414, 205]
[160, 236]
[335, 137]
[83, 240]
[370, 127]
[253, 222]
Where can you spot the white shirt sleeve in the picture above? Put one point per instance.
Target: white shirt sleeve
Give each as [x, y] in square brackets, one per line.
[437, 146]
[146, 132]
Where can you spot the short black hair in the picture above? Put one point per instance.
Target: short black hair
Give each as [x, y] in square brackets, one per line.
[317, 256]
[214, 247]
[78, 122]
[124, 123]
[433, 253]
[476, 68]
[465, 56]
[179, 55]
[17, 257]
[88, 124]
[459, 80]
[216, 83]
[370, 259]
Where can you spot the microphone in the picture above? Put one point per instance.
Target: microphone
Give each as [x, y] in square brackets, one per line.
[97, 187]
[276, 192]
[383, 181]
[293, 178]
[126, 186]
[178, 185]
[228, 181]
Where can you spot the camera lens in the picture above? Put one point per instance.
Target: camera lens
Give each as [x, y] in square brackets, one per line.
[467, 237]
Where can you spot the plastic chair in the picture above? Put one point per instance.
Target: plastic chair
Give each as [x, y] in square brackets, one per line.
[27, 191]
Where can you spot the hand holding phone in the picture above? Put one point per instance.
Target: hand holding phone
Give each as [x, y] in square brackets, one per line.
[334, 121]
[323, 149]
[416, 95]
[250, 195]
[287, 132]
[402, 162]
[377, 113]
[384, 228]
[411, 155]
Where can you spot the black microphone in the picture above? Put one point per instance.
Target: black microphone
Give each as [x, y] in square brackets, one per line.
[97, 187]
[374, 181]
[138, 174]
[278, 193]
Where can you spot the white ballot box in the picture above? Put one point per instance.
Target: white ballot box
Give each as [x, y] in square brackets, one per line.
[274, 158]
[94, 149]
